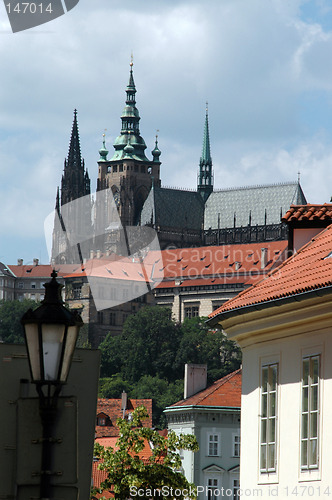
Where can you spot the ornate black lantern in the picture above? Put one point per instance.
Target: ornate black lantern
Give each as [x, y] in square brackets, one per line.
[51, 332]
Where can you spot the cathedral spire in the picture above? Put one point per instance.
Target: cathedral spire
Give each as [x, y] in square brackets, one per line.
[74, 154]
[75, 181]
[130, 126]
[205, 175]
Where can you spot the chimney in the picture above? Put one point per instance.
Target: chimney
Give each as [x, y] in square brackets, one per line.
[263, 258]
[92, 254]
[123, 403]
[98, 254]
[35, 262]
[20, 262]
[195, 378]
[237, 266]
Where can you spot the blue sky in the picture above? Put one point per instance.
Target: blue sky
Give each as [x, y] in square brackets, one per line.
[264, 67]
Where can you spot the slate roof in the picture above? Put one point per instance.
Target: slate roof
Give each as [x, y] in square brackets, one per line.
[225, 392]
[112, 408]
[308, 213]
[168, 207]
[177, 208]
[275, 199]
[310, 269]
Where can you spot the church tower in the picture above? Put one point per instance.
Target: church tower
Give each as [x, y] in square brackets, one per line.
[205, 174]
[75, 185]
[75, 181]
[129, 174]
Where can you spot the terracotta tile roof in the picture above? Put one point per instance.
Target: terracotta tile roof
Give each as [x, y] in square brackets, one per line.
[112, 409]
[307, 270]
[98, 476]
[232, 261]
[308, 212]
[40, 270]
[225, 392]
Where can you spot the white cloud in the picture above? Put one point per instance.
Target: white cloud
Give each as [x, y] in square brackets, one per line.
[253, 61]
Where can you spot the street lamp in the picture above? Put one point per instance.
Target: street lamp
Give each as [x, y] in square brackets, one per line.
[51, 332]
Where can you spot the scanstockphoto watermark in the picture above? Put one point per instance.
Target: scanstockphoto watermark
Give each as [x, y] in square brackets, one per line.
[208, 492]
[26, 15]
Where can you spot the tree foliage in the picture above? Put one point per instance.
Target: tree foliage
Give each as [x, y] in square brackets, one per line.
[11, 312]
[147, 360]
[126, 469]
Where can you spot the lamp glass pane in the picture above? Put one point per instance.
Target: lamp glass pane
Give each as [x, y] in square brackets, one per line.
[69, 350]
[31, 333]
[52, 346]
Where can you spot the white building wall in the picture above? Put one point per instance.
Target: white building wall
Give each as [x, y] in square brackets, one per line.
[288, 479]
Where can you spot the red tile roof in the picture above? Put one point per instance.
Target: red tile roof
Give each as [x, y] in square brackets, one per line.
[309, 269]
[98, 476]
[231, 261]
[112, 408]
[308, 213]
[225, 392]
[40, 270]
[116, 267]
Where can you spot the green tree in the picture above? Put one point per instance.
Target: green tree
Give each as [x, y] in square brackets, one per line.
[199, 344]
[11, 312]
[126, 470]
[147, 346]
[112, 387]
[162, 392]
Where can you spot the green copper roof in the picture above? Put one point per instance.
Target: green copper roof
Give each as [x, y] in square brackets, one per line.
[205, 174]
[156, 151]
[103, 151]
[130, 134]
[206, 152]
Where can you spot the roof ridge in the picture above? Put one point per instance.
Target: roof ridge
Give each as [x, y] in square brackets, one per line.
[173, 188]
[270, 273]
[214, 386]
[256, 186]
[296, 255]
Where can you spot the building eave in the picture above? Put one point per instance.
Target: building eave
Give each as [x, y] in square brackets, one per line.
[275, 302]
[227, 409]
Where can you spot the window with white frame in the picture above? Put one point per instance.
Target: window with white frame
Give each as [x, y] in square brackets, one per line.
[212, 486]
[236, 489]
[310, 413]
[213, 445]
[268, 418]
[236, 445]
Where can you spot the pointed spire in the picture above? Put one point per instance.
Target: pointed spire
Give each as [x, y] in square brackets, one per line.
[205, 175]
[130, 126]
[103, 152]
[74, 154]
[206, 152]
[75, 181]
[156, 151]
[57, 200]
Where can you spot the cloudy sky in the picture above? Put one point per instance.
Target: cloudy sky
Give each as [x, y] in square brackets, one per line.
[265, 68]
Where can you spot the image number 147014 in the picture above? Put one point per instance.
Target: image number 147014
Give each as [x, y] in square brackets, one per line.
[29, 8]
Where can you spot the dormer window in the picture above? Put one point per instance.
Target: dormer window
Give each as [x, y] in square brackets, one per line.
[101, 421]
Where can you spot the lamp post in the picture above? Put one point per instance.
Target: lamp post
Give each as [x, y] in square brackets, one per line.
[51, 332]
